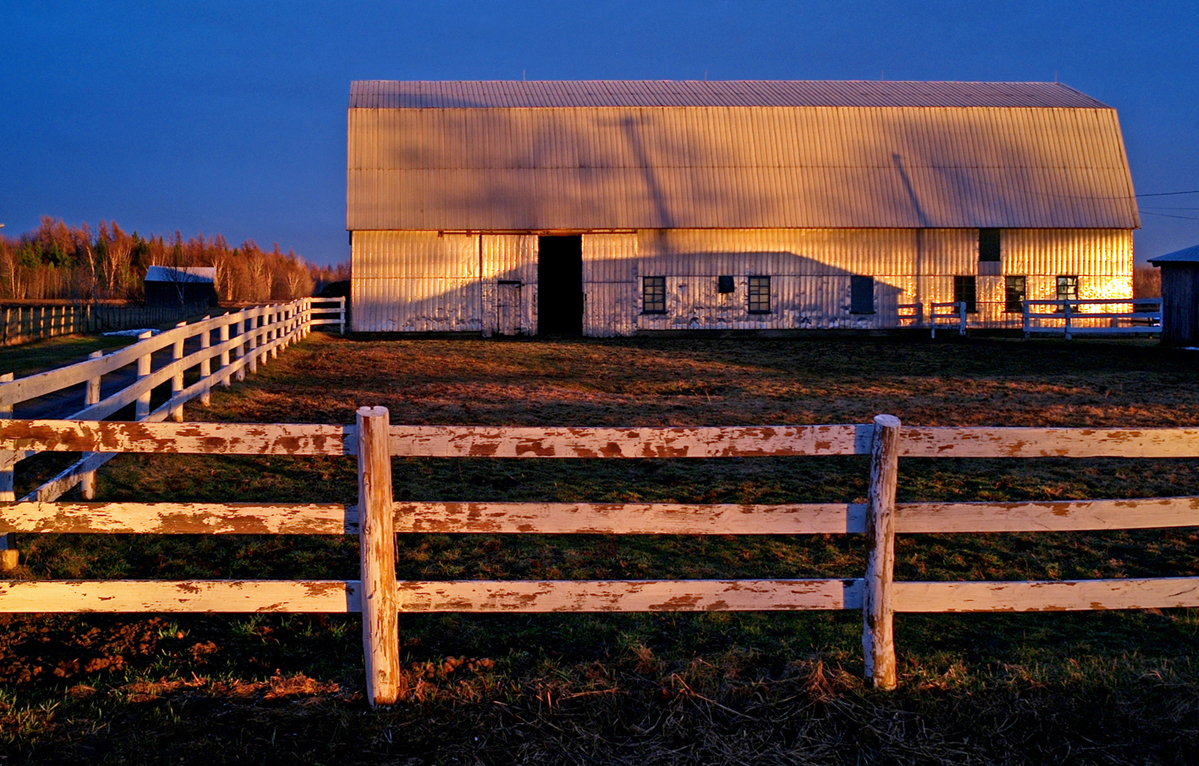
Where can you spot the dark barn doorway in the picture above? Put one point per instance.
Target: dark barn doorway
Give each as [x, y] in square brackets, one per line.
[560, 285]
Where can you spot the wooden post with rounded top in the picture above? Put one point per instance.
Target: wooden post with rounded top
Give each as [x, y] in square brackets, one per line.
[878, 639]
[91, 395]
[380, 599]
[9, 556]
[141, 409]
[177, 378]
[206, 362]
[222, 336]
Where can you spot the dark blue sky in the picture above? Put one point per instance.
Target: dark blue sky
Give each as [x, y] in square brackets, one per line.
[230, 117]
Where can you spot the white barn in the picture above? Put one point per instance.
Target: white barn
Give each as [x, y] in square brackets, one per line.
[614, 208]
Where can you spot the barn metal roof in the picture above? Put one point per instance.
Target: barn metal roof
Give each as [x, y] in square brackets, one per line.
[390, 94]
[518, 156]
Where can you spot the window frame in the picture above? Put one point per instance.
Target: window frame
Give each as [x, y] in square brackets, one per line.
[989, 245]
[655, 297]
[960, 282]
[861, 288]
[1070, 281]
[757, 295]
[1017, 306]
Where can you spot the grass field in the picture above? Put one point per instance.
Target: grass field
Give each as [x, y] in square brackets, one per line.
[1116, 687]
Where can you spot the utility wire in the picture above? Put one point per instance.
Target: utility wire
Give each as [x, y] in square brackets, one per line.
[1169, 194]
[1165, 215]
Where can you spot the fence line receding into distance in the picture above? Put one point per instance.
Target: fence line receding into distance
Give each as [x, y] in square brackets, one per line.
[244, 339]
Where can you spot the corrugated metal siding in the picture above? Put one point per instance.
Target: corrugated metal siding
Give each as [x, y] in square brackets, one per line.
[509, 257]
[811, 272]
[736, 167]
[391, 94]
[419, 281]
[415, 281]
[610, 284]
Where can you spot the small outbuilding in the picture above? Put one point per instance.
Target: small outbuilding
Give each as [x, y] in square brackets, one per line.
[181, 286]
[1180, 296]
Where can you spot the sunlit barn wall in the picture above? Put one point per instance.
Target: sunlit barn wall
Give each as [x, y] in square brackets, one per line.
[509, 274]
[405, 281]
[430, 282]
[426, 282]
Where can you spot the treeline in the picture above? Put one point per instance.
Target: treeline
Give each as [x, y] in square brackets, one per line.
[108, 263]
[1147, 282]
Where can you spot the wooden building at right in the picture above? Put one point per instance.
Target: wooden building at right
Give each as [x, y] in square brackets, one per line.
[1180, 296]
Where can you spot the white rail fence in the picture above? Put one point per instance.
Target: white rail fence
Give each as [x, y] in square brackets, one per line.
[1065, 318]
[243, 340]
[376, 519]
[1093, 317]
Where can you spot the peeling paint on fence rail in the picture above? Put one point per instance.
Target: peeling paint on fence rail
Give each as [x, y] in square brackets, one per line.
[749, 441]
[190, 438]
[629, 595]
[326, 596]
[1047, 595]
[179, 518]
[631, 518]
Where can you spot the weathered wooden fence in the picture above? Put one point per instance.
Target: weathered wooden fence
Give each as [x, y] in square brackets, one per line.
[244, 340]
[28, 323]
[376, 518]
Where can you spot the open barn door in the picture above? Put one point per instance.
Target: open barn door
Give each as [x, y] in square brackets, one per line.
[560, 285]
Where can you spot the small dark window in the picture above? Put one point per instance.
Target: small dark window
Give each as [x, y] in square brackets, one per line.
[759, 295]
[964, 292]
[1015, 290]
[1067, 288]
[988, 245]
[653, 295]
[725, 284]
[861, 295]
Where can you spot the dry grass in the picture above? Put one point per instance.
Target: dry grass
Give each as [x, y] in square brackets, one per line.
[669, 688]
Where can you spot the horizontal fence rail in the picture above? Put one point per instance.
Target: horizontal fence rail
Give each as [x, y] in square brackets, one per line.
[1066, 318]
[222, 350]
[377, 518]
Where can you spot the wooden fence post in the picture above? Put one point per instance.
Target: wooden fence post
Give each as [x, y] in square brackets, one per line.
[142, 408]
[206, 363]
[177, 378]
[255, 315]
[1067, 304]
[878, 639]
[380, 598]
[91, 395]
[9, 557]
[341, 317]
[223, 336]
[274, 317]
[240, 351]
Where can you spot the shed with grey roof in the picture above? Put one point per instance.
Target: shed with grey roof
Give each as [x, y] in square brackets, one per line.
[180, 286]
[1180, 296]
[610, 208]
